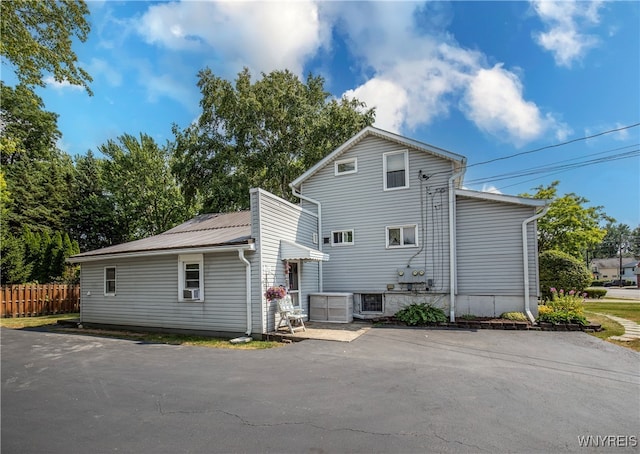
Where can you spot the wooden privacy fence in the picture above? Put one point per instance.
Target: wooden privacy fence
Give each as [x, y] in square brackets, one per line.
[39, 299]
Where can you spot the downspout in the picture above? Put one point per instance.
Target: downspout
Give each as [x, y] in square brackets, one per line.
[247, 267]
[316, 203]
[525, 258]
[452, 243]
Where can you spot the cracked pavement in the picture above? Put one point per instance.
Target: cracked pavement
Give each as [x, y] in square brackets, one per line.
[391, 390]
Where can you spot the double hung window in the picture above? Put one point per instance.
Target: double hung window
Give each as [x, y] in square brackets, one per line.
[190, 277]
[110, 280]
[396, 170]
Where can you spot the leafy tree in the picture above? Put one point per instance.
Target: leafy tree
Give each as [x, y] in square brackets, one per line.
[259, 134]
[562, 272]
[28, 131]
[145, 195]
[618, 239]
[37, 36]
[93, 223]
[635, 242]
[568, 226]
[12, 265]
[41, 193]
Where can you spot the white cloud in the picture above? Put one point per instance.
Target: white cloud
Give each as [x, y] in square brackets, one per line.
[490, 188]
[565, 20]
[64, 85]
[100, 68]
[419, 77]
[389, 99]
[494, 102]
[412, 70]
[261, 35]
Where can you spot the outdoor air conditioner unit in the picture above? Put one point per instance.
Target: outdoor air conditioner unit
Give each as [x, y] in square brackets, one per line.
[191, 294]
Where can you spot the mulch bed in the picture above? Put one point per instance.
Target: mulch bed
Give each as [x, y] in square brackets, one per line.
[498, 323]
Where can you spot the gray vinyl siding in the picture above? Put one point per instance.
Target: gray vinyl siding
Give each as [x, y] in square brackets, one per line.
[274, 219]
[358, 201]
[147, 294]
[489, 245]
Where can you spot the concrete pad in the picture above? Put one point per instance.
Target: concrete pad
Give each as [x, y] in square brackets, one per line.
[340, 332]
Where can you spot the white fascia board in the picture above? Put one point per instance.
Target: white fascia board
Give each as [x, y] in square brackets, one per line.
[502, 198]
[281, 200]
[158, 252]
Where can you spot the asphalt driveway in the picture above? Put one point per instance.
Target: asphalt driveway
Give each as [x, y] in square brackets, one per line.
[391, 390]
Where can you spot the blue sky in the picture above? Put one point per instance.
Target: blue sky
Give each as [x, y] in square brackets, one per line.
[482, 79]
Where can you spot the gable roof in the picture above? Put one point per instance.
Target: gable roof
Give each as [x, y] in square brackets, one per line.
[207, 231]
[614, 262]
[459, 161]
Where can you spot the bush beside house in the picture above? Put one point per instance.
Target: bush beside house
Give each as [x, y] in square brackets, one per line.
[562, 271]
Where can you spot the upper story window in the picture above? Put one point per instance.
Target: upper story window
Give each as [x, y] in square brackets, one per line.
[342, 238]
[396, 170]
[109, 280]
[402, 236]
[191, 277]
[346, 166]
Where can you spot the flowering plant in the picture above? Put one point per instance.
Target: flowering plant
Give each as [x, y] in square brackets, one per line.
[564, 307]
[275, 293]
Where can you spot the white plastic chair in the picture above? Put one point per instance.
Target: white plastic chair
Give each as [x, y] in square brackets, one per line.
[289, 313]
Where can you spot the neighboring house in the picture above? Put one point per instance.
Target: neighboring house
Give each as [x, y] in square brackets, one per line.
[609, 269]
[383, 222]
[630, 271]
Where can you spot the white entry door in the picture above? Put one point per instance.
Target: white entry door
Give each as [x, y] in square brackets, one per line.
[293, 282]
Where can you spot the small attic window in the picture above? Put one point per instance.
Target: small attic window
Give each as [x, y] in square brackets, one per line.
[346, 166]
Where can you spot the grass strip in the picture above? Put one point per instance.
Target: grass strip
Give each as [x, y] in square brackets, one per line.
[50, 323]
[34, 322]
[630, 311]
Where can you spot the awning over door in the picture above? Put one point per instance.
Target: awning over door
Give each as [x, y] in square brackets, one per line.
[294, 251]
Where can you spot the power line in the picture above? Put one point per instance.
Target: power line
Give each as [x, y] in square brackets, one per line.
[555, 145]
[550, 167]
[635, 153]
[622, 128]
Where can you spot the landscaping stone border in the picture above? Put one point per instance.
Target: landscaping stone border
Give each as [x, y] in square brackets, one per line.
[502, 324]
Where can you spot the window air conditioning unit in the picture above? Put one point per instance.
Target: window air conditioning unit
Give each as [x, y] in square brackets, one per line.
[191, 294]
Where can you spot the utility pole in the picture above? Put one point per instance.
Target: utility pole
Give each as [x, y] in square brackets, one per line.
[620, 255]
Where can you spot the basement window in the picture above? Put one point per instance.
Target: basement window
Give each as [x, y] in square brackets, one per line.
[371, 302]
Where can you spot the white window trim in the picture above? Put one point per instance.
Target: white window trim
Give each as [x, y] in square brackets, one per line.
[345, 161]
[115, 281]
[183, 260]
[406, 170]
[401, 227]
[343, 243]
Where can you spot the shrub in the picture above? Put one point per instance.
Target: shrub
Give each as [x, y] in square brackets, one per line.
[560, 270]
[598, 283]
[563, 308]
[515, 316]
[595, 292]
[420, 314]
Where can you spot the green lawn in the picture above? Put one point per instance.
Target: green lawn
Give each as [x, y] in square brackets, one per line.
[630, 311]
[32, 322]
[50, 321]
